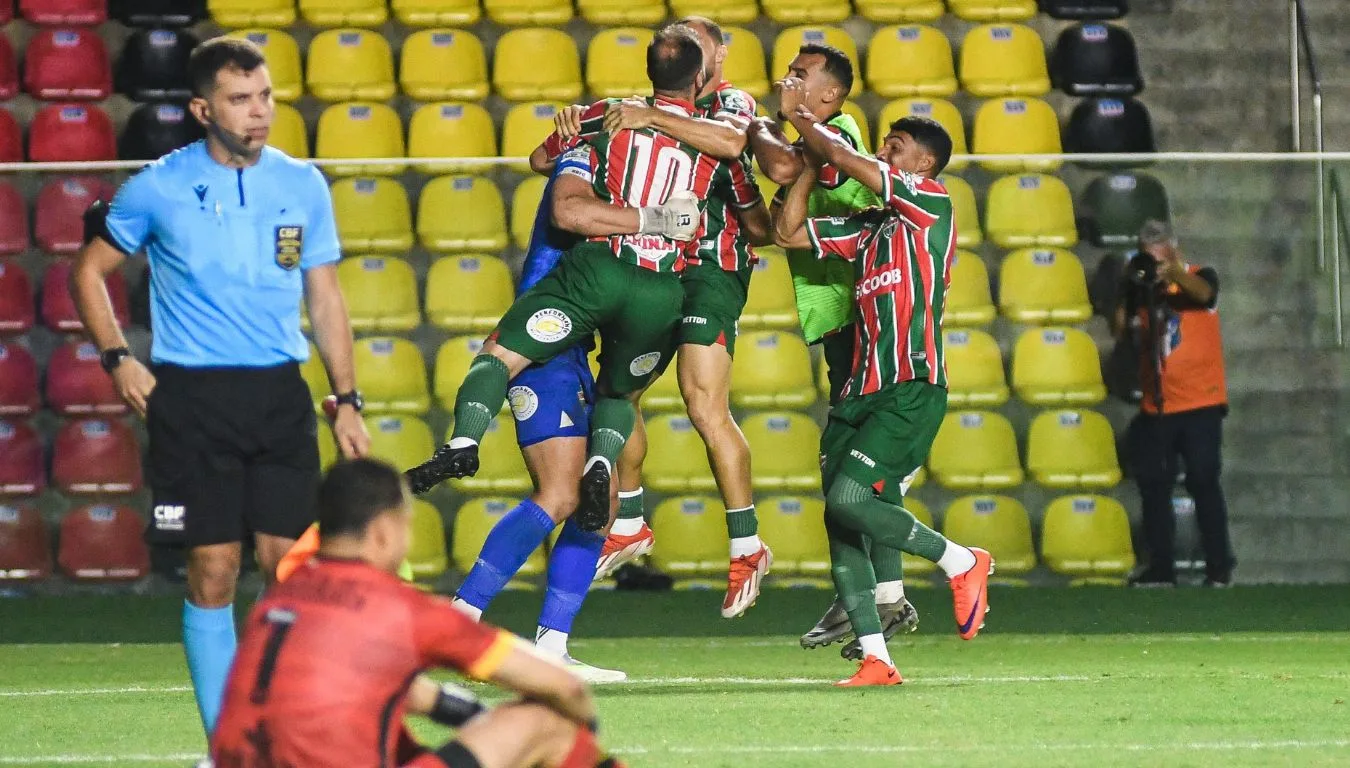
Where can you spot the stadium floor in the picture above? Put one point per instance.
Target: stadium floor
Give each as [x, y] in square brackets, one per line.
[1253, 676]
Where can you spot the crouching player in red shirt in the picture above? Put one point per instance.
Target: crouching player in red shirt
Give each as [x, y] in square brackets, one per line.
[329, 663]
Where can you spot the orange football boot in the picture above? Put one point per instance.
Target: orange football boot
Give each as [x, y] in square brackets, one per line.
[743, 581]
[872, 671]
[970, 594]
[620, 550]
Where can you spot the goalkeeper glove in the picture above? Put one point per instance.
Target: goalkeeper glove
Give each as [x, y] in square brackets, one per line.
[679, 219]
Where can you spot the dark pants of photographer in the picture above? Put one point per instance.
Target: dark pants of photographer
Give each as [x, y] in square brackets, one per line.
[1195, 438]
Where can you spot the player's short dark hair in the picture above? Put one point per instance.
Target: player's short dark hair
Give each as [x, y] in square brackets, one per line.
[707, 25]
[208, 59]
[837, 64]
[674, 59]
[929, 134]
[355, 492]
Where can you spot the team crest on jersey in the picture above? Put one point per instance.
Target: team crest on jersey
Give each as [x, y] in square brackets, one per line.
[548, 325]
[644, 364]
[524, 402]
[289, 239]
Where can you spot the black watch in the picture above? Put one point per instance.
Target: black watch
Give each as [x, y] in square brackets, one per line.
[111, 358]
[352, 398]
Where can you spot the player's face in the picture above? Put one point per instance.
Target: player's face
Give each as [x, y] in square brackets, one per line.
[902, 152]
[241, 108]
[820, 87]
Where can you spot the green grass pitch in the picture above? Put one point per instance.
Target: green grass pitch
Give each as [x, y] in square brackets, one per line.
[1060, 677]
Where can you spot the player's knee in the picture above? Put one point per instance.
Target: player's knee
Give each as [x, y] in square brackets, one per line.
[543, 726]
[559, 503]
[212, 578]
[708, 409]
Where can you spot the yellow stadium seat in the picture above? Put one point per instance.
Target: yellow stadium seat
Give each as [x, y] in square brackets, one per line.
[328, 450]
[501, 467]
[968, 298]
[441, 64]
[900, 11]
[795, 527]
[426, 550]
[618, 13]
[373, 215]
[435, 13]
[350, 65]
[725, 12]
[519, 13]
[993, 10]
[403, 441]
[339, 13]
[1030, 209]
[915, 565]
[316, 378]
[771, 302]
[744, 64]
[245, 13]
[785, 49]
[772, 369]
[974, 370]
[461, 213]
[786, 451]
[851, 109]
[1087, 536]
[1072, 449]
[452, 129]
[807, 11]
[616, 63]
[976, 450]
[283, 59]
[468, 292]
[1003, 60]
[1043, 286]
[663, 395]
[968, 232]
[998, 524]
[452, 364]
[473, 522]
[381, 293]
[524, 207]
[941, 110]
[912, 60]
[1017, 126]
[288, 132]
[537, 64]
[525, 127]
[676, 459]
[358, 130]
[392, 375]
[1057, 366]
[693, 535]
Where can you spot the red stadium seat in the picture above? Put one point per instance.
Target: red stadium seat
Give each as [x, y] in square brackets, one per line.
[102, 542]
[25, 546]
[96, 456]
[65, 64]
[20, 460]
[6, 11]
[64, 133]
[77, 384]
[58, 216]
[18, 381]
[11, 138]
[84, 12]
[17, 313]
[58, 308]
[13, 221]
[9, 69]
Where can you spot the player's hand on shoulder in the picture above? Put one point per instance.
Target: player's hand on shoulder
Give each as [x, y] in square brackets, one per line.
[631, 114]
[567, 123]
[134, 384]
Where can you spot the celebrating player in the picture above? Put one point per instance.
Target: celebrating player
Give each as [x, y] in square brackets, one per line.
[892, 405]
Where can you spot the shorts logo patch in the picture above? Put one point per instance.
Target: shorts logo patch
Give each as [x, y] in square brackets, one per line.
[549, 325]
[864, 458]
[691, 320]
[524, 402]
[288, 244]
[644, 364]
[169, 517]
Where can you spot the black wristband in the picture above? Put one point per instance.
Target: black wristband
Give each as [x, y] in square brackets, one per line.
[593, 725]
[455, 706]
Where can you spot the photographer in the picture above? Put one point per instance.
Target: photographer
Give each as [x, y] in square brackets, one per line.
[1169, 308]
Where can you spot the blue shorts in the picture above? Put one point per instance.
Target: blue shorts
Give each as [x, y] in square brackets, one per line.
[553, 399]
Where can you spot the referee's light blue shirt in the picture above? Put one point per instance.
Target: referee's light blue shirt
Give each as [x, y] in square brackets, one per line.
[227, 249]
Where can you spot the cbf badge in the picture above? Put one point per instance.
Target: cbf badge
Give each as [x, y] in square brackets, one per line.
[288, 243]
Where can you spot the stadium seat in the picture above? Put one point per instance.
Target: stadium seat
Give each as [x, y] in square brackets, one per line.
[21, 463]
[912, 60]
[155, 130]
[153, 65]
[67, 64]
[771, 302]
[791, 39]
[967, 213]
[521, 13]
[913, 564]
[58, 308]
[998, 524]
[1016, 126]
[1030, 210]
[403, 441]
[1073, 10]
[1057, 366]
[392, 376]
[71, 133]
[103, 542]
[1072, 449]
[501, 466]
[350, 65]
[616, 63]
[96, 456]
[1116, 206]
[968, 298]
[676, 459]
[437, 64]
[974, 370]
[373, 215]
[524, 207]
[316, 378]
[795, 525]
[1109, 125]
[17, 310]
[11, 138]
[360, 129]
[461, 213]
[381, 293]
[722, 12]
[468, 292]
[993, 10]
[807, 11]
[25, 545]
[664, 393]
[452, 364]
[58, 216]
[62, 12]
[744, 64]
[1003, 60]
[900, 11]
[786, 447]
[618, 13]
[435, 13]
[246, 13]
[13, 222]
[473, 522]
[328, 450]
[283, 60]
[9, 70]
[344, 13]
[289, 133]
[6, 12]
[1087, 536]
[772, 369]
[525, 126]
[1096, 60]
[426, 551]
[1041, 286]
[18, 381]
[941, 110]
[452, 129]
[975, 449]
[76, 383]
[693, 535]
[537, 64]
[159, 13]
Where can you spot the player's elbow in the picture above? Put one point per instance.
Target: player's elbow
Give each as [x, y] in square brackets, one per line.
[539, 162]
[784, 238]
[781, 170]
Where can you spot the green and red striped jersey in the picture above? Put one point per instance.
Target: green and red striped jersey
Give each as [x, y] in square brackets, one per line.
[722, 242]
[902, 257]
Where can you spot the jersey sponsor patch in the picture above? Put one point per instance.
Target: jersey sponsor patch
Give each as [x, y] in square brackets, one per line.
[289, 239]
[549, 325]
[644, 364]
[524, 402]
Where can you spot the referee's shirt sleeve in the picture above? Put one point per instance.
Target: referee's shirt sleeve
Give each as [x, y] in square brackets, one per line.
[131, 215]
[321, 244]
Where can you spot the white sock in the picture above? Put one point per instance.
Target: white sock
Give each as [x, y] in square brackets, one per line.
[600, 459]
[627, 526]
[462, 442]
[956, 560]
[875, 645]
[551, 641]
[468, 610]
[890, 592]
[745, 545]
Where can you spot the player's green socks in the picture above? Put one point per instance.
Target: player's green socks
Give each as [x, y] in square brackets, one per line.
[480, 397]
[742, 523]
[886, 564]
[856, 507]
[611, 424]
[854, 582]
[632, 514]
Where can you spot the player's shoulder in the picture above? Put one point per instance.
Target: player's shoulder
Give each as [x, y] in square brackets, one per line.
[185, 159]
[283, 165]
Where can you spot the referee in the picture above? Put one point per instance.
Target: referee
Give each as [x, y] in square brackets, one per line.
[236, 233]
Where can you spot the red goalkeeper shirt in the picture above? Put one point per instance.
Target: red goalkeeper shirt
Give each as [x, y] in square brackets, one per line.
[322, 672]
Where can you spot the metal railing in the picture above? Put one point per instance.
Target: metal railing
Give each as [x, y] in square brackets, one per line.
[1301, 39]
[1340, 232]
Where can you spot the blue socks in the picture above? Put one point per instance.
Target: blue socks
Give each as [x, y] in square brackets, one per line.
[508, 545]
[571, 568]
[209, 642]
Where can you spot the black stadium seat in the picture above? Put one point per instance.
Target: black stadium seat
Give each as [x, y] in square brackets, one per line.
[1109, 125]
[1096, 60]
[159, 13]
[154, 65]
[1115, 206]
[1085, 10]
[155, 130]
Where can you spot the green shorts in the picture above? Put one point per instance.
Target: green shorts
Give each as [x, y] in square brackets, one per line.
[838, 349]
[636, 311]
[713, 300]
[883, 437]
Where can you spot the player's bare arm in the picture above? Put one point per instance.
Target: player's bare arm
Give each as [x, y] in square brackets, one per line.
[756, 224]
[789, 224]
[536, 679]
[723, 138]
[333, 336]
[577, 209]
[96, 261]
[778, 159]
[835, 150]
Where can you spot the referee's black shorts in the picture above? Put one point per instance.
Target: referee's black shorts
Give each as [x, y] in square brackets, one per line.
[233, 452]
